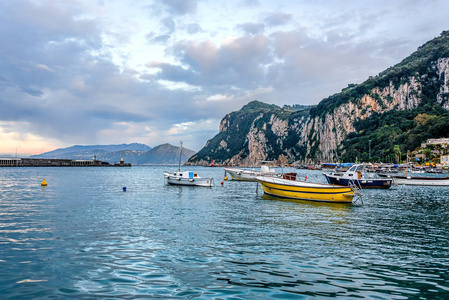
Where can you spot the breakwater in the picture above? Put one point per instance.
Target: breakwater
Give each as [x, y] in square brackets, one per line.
[51, 162]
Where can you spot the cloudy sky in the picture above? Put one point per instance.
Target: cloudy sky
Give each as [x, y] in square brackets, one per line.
[156, 71]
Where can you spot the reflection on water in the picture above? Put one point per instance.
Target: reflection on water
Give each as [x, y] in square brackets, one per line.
[83, 237]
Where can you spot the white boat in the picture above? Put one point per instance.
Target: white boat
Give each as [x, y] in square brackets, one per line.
[189, 178]
[418, 180]
[250, 175]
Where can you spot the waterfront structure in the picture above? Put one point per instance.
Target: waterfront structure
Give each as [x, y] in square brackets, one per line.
[48, 162]
[9, 162]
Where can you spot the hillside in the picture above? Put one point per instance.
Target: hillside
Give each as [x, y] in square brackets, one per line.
[165, 154]
[135, 153]
[89, 151]
[403, 105]
[252, 134]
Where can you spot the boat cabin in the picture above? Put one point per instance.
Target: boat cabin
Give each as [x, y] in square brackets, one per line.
[186, 174]
[357, 171]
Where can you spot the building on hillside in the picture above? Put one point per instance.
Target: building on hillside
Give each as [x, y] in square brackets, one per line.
[444, 160]
[442, 141]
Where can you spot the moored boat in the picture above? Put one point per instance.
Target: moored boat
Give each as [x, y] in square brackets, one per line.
[418, 180]
[357, 175]
[250, 175]
[302, 190]
[188, 178]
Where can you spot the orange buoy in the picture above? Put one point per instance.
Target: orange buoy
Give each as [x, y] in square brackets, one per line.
[44, 183]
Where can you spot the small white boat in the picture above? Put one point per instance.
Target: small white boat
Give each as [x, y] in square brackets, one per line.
[188, 178]
[415, 180]
[250, 175]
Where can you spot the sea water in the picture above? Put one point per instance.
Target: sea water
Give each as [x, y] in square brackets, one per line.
[83, 236]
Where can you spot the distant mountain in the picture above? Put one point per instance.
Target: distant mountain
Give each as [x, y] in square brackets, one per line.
[135, 153]
[165, 154]
[90, 151]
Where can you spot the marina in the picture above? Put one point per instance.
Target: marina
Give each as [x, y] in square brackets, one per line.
[83, 236]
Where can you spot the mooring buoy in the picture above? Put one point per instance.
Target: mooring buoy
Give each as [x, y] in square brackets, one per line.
[44, 183]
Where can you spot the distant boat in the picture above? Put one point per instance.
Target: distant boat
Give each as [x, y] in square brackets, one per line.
[302, 190]
[356, 175]
[187, 177]
[418, 180]
[250, 175]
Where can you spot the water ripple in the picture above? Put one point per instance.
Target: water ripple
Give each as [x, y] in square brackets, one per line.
[83, 237]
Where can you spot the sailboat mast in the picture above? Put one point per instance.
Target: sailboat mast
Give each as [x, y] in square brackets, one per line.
[180, 153]
[406, 169]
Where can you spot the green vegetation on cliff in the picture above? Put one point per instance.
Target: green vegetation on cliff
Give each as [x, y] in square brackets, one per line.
[406, 129]
[418, 64]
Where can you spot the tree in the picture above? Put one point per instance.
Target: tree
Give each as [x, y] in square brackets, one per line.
[397, 152]
[427, 152]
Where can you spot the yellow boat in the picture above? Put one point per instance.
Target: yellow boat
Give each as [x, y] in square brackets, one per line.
[302, 190]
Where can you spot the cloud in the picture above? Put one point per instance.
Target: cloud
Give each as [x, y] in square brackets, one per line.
[193, 28]
[238, 62]
[278, 19]
[252, 28]
[33, 92]
[44, 67]
[250, 3]
[105, 72]
[168, 27]
[180, 7]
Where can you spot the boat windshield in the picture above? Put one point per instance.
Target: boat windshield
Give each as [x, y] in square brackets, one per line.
[356, 168]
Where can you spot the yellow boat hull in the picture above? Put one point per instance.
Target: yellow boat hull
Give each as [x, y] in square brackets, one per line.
[306, 191]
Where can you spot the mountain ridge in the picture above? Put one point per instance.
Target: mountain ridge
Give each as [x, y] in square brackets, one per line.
[134, 153]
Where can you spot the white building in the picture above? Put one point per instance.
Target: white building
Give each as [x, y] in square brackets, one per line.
[442, 141]
[9, 161]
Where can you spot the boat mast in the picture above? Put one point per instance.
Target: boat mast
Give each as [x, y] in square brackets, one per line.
[406, 169]
[180, 153]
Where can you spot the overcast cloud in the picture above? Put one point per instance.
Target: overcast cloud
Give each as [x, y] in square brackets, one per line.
[111, 72]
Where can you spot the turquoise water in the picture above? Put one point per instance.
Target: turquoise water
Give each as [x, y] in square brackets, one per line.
[83, 237]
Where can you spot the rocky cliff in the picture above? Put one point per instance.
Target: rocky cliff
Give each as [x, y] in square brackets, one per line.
[261, 132]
